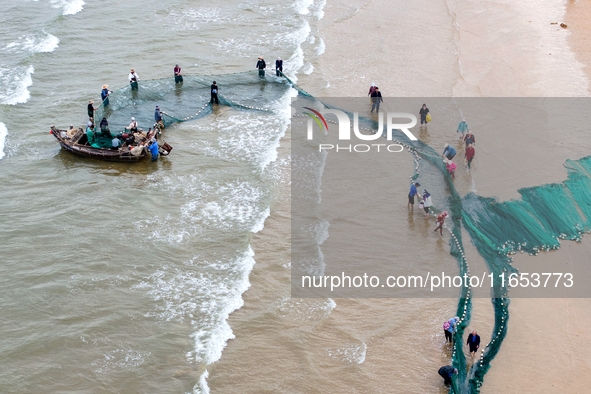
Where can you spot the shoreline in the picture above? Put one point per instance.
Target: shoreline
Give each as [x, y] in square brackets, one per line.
[470, 71]
[523, 311]
[578, 21]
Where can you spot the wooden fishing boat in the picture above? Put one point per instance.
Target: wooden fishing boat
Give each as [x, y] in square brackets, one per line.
[77, 143]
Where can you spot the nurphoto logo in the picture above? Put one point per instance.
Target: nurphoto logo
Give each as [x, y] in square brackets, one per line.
[345, 130]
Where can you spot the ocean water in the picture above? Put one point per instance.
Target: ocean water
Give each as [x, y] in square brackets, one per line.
[134, 278]
[116, 277]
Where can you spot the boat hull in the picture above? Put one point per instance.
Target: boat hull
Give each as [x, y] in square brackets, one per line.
[121, 155]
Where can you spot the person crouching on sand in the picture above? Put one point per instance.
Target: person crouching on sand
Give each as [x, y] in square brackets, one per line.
[440, 221]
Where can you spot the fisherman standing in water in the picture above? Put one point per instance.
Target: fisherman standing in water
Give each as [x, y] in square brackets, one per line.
[91, 109]
[469, 138]
[105, 95]
[214, 93]
[133, 79]
[411, 195]
[261, 65]
[427, 203]
[448, 152]
[473, 342]
[158, 117]
[154, 149]
[462, 128]
[376, 99]
[279, 67]
[440, 221]
[178, 76]
[451, 167]
[423, 113]
[469, 155]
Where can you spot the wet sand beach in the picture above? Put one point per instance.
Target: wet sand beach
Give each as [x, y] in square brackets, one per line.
[483, 49]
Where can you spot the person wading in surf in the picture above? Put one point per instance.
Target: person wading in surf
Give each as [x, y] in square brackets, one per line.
[90, 109]
[423, 113]
[440, 221]
[411, 195]
[261, 65]
[473, 342]
[105, 95]
[376, 98]
[214, 93]
[279, 67]
[178, 75]
[133, 79]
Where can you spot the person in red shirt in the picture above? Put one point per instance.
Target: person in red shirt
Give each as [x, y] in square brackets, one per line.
[440, 220]
[470, 152]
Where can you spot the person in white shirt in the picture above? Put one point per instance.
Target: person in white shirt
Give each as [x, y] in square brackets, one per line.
[133, 79]
[132, 126]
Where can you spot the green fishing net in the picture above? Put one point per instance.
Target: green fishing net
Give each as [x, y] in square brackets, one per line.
[544, 214]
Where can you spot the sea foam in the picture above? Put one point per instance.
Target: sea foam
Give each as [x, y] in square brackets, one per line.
[16, 83]
[69, 7]
[3, 134]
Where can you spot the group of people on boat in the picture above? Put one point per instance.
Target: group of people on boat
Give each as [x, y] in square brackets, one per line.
[133, 138]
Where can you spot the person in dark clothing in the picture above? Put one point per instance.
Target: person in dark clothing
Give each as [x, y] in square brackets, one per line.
[469, 138]
[157, 115]
[105, 95]
[178, 76]
[279, 67]
[376, 99]
[446, 373]
[91, 109]
[473, 342]
[214, 93]
[104, 125]
[423, 113]
[128, 138]
[261, 65]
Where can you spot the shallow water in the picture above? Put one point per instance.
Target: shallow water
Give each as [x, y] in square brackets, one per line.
[122, 278]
